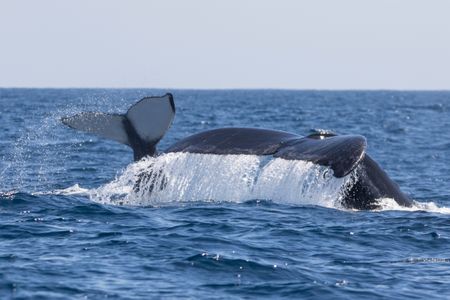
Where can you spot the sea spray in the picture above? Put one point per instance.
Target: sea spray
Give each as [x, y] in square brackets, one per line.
[184, 177]
[187, 177]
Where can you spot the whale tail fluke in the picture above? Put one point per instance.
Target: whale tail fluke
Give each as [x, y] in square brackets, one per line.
[141, 128]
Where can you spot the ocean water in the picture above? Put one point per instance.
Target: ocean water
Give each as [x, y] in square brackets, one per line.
[220, 227]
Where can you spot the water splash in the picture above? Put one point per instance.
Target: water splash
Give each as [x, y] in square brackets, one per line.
[184, 177]
[75, 189]
[32, 160]
[387, 204]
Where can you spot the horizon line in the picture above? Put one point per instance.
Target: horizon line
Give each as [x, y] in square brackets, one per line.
[230, 88]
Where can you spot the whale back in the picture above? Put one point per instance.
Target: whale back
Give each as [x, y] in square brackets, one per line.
[341, 153]
[254, 141]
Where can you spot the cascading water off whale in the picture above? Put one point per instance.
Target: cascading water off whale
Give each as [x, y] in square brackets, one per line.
[343, 170]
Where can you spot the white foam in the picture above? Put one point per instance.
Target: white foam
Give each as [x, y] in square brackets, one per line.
[387, 204]
[183, 177]
[72, 190]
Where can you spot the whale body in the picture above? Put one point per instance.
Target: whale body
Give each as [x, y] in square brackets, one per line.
[146, 122]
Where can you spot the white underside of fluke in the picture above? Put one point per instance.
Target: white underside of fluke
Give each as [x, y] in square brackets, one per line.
[143, 125]
[107, 126]
[151, 117]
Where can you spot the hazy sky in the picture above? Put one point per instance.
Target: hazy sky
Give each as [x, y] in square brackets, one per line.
[316, 44]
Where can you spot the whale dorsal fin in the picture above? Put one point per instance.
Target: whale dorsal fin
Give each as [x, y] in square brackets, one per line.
[341, 153]
[141, 128]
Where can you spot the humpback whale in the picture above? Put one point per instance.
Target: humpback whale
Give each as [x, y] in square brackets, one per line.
[146, 122]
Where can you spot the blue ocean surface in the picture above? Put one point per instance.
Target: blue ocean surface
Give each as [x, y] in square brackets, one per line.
[72, 227]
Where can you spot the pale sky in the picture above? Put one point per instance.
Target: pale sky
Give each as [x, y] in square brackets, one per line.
[316, 44]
